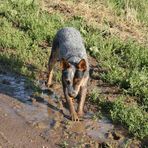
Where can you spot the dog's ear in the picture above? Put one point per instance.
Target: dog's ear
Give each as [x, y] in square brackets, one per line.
[82, 65]
[64, 64]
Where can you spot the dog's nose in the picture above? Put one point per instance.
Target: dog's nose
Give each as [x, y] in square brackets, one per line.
[73, 94]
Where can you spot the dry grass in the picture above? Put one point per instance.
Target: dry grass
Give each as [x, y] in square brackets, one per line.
[103, 17]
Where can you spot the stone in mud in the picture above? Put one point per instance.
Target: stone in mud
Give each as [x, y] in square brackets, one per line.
[41, 125]
[116, 136]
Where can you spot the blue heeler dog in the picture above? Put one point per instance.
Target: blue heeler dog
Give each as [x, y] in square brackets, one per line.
[68, 48]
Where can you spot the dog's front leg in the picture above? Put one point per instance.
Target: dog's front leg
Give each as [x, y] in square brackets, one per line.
[73, 113]
[70, 101]
[83, 92]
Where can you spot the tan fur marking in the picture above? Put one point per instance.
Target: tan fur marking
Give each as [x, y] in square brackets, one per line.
[65, 64]
[82, 65]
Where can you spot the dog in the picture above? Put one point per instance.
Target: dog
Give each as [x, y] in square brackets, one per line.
[68, 48]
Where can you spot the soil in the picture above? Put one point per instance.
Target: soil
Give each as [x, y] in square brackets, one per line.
[41, 120]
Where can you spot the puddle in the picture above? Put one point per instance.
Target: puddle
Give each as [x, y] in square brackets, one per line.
[35, 113]
[99, 129]
[14, 86]
[47, 112]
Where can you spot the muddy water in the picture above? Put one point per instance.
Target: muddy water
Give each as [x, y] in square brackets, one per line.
[47, 111]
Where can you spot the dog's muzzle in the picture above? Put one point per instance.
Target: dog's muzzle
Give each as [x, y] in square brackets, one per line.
[72, 94]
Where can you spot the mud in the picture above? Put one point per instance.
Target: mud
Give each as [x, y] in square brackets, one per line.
[31, 120]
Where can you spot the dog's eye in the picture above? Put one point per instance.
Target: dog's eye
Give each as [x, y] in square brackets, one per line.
[79, 74]
[68, 82]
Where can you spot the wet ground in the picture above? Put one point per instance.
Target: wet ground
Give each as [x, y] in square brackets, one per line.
[42, 120]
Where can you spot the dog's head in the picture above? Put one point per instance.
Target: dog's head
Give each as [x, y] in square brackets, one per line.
[73, 76]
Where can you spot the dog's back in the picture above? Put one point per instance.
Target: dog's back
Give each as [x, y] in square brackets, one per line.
[70, 44]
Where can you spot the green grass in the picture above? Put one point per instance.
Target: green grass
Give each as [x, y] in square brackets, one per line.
[133, 117]
[57, 75]
[131, 8]
[127, 66]
[25, 30]
[94, 95]
[126, 62]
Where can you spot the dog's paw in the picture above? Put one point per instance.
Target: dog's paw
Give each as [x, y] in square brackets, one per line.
[48, 85]
[74, 117]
